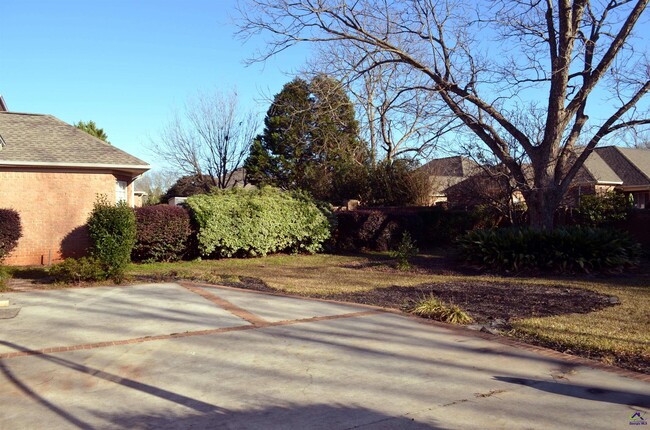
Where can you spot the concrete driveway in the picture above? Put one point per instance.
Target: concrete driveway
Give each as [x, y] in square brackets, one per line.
[167, 356]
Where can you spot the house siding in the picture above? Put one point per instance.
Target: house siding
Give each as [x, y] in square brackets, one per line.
[54, 206]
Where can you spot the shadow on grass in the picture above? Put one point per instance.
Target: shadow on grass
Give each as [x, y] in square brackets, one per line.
[35, 273]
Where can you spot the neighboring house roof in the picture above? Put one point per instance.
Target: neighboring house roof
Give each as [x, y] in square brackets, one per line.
[457, 166]
[43, 140]
[449, 171]
[630, 164]
[626, 168]
[597, 170]
[3, 105]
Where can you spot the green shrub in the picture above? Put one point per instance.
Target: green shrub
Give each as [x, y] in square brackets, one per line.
[73, 270]
[399, 183]
[433, 308]
[404, 251]
[567, 249]
[258, 222]
[112, 232]
[4, 275]
[163, 232]
[602, 209]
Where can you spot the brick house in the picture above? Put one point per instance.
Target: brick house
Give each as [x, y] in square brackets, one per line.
[608, 168]
[51, 173]
[448, 172]
[612, 168]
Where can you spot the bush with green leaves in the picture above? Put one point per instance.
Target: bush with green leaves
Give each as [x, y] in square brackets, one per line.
[602, 209]
[404, 251]
[568, 249]
[112, 231]
[10, 231]
[240, 222]
[73, 270]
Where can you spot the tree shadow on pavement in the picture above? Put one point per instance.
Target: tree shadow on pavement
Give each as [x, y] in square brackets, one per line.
[291, 416]
[582, 391]
[202, 414]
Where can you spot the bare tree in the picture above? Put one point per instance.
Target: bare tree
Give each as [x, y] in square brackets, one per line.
[395, 109]
[155, 183]
[210, 139]
[564, 57]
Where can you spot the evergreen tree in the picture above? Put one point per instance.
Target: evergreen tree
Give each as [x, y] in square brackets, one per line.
[310, 142]
[279, 155]
[91, 128]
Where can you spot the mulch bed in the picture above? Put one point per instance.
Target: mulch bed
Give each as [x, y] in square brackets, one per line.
[486, 301]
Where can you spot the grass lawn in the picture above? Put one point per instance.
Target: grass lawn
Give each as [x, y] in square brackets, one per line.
[615, 333]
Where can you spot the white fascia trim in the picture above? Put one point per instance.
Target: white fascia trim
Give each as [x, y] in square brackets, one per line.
[609, 183]
[581, 184]
[82, 165]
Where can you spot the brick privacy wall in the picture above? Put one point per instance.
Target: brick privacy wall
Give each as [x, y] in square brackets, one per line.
[53, 207]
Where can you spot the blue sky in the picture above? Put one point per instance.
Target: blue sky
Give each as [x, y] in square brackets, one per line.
[127, 64]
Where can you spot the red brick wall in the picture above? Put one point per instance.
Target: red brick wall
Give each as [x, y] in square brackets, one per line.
[53, 206]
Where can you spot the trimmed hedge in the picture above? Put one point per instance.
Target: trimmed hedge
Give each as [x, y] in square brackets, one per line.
[163, 233]
[112, 235]
[382, 229]
[10, 231]
[240, 222]
[566, 249]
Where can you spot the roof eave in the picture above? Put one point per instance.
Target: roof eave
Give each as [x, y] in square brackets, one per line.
[133, 168]
[635, 187]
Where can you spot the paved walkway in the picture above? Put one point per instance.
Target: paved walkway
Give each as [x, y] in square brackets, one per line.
[187, 356]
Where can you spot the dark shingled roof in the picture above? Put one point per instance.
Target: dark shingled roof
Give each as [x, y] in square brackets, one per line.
[46, 140]
[457, 166]
[599, 171]
[630, 164]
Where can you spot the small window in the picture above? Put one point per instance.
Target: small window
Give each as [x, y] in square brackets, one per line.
[120, 191]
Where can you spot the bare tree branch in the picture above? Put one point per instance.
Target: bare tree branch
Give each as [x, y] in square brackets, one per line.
[210, 140]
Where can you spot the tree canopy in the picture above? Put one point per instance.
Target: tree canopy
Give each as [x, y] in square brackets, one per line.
[310, 141]
[538, 85]
[91, 128]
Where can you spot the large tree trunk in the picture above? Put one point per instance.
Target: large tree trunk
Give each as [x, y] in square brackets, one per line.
[542, 204]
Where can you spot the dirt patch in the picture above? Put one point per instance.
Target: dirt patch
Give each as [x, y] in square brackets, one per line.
[486, 301]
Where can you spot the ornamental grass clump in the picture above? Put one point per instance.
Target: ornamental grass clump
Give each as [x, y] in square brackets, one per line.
[433, 308]
[250, 223]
